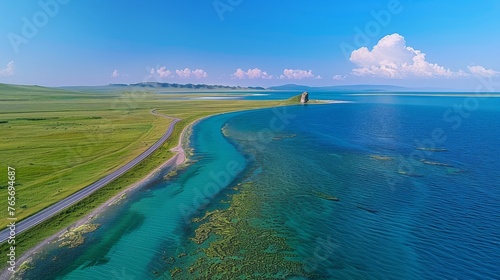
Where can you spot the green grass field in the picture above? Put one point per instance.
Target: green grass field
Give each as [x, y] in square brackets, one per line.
[61, 141]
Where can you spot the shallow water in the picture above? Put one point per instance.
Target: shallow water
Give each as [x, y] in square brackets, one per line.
[402, 213]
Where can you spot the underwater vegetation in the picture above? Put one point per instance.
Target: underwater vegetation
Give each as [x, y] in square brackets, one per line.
[232, 243]
[434, 150]
[326, 196]
[381, 158]
[74, 238]
[435, 163]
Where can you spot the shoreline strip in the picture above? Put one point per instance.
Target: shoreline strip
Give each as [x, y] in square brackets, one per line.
[175, 161]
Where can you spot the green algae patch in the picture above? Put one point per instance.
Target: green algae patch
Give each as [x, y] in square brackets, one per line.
[74, 238]
[175, 271]
[381, 158]
[433, 150]
[281, 137]
[28, 264]
[434, 163]
[414, 175]
[119, 200]
[454, 171]
[25, 266]
[231, 243]
[326, 196]
[170, 175]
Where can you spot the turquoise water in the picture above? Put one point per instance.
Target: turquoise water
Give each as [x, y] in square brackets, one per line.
[133, 237]
[403, 212]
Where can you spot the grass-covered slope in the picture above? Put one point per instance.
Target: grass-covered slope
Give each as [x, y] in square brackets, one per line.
[293, 100]
[59, 144]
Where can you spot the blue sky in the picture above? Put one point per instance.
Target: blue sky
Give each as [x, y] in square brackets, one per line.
[445, 44]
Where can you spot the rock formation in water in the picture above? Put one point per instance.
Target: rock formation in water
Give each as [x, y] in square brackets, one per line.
[304, 98]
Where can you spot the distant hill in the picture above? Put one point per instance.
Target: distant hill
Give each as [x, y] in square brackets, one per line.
[9, 92]
[192, 86]
[293, 87]
[22, 89]
[155, 86]
[362, 88]
[366, 88]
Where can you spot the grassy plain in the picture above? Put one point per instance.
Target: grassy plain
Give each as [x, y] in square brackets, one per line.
[60, 141]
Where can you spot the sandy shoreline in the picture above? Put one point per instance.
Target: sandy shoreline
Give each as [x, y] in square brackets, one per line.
[179, 158]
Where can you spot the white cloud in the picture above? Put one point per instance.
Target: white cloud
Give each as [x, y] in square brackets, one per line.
[163, 72]
[115, 74]
[391, 58]
[338, 77]
[255, 73]
[483, 72]
[199, 73]
[186, 73]
[240, 74]
[297, 74]
[318, 77]
[9, 70]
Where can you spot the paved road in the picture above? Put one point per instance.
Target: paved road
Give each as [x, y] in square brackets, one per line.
[52, 210]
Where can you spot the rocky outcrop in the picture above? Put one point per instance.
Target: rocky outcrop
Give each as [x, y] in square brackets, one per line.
[304, 98]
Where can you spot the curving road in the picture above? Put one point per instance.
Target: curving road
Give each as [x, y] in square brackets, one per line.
[52, 210]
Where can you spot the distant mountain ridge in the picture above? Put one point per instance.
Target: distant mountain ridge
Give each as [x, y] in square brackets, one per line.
[362, 88]
[189, 86]
[158, 87]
